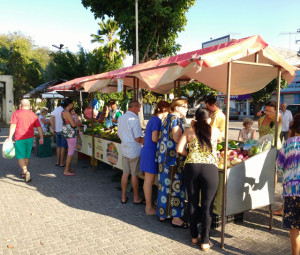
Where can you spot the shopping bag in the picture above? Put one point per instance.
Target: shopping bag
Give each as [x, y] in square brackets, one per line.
[8, 149]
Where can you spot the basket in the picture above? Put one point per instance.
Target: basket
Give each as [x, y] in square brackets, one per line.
[44, 150]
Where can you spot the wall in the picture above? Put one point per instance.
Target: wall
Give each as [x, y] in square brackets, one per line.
[7, 98]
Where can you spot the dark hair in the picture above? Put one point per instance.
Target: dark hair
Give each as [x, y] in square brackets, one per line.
[66, 102]
[161, 107]
[202, 128]
[271, 103]
[133, 103]
[112, 102]
[295, 127]
[211, 101]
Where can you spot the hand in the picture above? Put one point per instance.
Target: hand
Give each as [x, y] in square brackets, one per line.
[41, 142]
[9, 139]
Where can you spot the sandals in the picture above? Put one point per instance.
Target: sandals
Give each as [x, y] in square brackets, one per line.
[184, 225]
[195, 241]
[207, 246]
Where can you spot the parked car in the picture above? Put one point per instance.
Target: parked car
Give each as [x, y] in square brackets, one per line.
[294, 108]
[233, 113]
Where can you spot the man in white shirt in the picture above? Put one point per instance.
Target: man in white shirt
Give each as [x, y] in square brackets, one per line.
[130, 133]
[287, 119]
[61, 143]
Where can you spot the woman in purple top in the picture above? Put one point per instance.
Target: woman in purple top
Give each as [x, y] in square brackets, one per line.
[148, 153]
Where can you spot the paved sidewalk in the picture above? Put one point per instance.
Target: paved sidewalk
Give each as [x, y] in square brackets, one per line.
[55, 214]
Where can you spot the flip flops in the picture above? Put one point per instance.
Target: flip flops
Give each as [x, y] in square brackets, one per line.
[184, 225]
[124, 202]
[71, 174]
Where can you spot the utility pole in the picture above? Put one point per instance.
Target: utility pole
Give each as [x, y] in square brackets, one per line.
[290, 34]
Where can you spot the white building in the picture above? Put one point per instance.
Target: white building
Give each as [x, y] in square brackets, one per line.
[6, 98]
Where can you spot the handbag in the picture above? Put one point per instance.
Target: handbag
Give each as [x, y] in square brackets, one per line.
[68, 131]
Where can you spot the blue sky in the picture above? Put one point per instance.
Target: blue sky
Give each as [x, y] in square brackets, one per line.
[50, 22]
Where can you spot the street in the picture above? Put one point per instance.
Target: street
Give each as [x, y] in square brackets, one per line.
[55, 214]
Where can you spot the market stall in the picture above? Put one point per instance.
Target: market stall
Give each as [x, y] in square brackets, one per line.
[239, 67]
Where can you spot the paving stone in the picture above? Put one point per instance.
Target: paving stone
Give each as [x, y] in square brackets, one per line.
[83, 215]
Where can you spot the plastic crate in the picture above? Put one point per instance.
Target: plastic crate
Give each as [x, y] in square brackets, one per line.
[217, 219]
[44, 150]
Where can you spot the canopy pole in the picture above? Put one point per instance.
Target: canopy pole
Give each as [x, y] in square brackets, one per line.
[276, 140]
[80, 99]
[93, 141]
[134, 89]
[225, 156]
[178, 88]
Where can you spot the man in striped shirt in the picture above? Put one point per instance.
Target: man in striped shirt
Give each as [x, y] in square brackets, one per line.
[130, 133]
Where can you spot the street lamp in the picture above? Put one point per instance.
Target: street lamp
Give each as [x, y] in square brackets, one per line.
[58, 47]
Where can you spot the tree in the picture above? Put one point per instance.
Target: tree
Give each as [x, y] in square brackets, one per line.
[196, 92]
[109, 36]
[20, 58]
[264, 95]
[159, 23]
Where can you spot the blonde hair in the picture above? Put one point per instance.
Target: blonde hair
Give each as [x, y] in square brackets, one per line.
[177, 102]
[247, 121]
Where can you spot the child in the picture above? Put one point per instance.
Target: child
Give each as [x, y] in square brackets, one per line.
[247, 133]
[288, 162]
[75, 118]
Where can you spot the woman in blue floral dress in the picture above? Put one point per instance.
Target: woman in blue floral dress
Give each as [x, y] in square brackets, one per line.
[171, 190]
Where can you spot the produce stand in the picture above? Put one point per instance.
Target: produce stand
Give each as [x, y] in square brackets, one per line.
[106, 151]
[235, 68]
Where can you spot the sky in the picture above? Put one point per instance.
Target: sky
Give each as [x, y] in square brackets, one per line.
[67, 22]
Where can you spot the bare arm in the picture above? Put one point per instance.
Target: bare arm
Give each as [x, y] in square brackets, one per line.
[240, 136]
[12, 130]
[155, 135]
[140, 140]
[181, 146]
[176, 132]
[45, 121]
[40, 130]
[253, 134]
[52, 122]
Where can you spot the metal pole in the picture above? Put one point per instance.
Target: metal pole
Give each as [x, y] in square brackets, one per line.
[225, 156]
[178, 88]
[93, 141]
[276, 140]
[137, 61]
[80, 99]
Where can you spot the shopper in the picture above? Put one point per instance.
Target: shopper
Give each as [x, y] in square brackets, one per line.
[148, 153]
[171, 190]
[287, 119]
[247, 133]
[22, 124]
[130, 133]
[88, 112]
[70, 132]
[201, 173]
[288, 162]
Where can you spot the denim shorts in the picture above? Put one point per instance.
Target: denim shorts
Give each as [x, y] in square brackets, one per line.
[60, 140]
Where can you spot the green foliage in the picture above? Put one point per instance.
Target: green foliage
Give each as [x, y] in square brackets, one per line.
[109, 36]
[20, 58]
[159, 23]
[150, 97]
[196, 92]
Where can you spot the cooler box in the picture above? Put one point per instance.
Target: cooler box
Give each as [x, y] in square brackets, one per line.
[44, 150]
